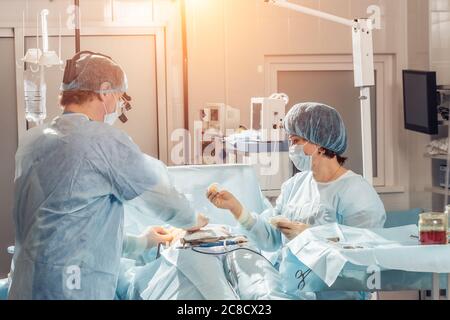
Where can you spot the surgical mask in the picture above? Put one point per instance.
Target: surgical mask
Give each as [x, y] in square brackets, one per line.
[298, 156]
[110, 118]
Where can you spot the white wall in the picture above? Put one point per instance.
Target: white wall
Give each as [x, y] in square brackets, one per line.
[418, 58]
[440, 39]
[228, 40]
[440, 62]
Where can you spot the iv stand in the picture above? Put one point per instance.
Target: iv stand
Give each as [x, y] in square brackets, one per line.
[77, 27]
[364, 71]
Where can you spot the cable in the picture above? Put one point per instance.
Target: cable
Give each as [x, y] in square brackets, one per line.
[230, 251]
[158, 253]
[300, 274]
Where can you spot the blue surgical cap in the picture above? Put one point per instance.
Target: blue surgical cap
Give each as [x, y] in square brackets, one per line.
[319, 124]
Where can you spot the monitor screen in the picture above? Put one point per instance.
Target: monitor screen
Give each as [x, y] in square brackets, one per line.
[420, 101]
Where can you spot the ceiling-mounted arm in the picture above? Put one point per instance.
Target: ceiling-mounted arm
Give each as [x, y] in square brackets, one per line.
[77, 27]
[361, 35]
[311, 12]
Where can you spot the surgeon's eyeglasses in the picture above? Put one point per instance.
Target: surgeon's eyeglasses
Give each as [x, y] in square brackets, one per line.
[125, 100]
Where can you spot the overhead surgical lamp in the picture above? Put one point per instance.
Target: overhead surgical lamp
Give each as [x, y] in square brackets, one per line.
[364, 71]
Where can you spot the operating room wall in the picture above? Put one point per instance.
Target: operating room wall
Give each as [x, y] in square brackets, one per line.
[418, 59]
[112, 14]
[94, 14]
[440, 39]
[229, 40]
[439, 62]
[8, 143]
[428, 49]
[418, 168]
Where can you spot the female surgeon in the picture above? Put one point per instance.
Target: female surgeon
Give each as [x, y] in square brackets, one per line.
[73, 177]
[323, 192]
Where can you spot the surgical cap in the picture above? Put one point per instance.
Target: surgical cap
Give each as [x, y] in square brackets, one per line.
[319, 124]
[92, 71]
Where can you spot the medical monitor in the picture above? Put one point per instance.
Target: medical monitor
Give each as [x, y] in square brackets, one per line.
[420, 101]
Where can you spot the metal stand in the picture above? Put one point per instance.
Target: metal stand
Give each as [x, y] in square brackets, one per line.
[435, 293]
[366, 117]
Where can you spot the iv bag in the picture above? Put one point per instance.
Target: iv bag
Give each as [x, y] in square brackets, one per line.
[35, 90]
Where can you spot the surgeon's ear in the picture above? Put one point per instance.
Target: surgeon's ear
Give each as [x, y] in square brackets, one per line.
[105, 86]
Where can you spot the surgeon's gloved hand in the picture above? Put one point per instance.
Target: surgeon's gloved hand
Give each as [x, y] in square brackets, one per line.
[177, 234]
[157, 235]
[225, 200]
[202, 221]
[291, 229]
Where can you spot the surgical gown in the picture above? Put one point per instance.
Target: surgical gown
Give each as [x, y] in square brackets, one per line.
[350, 200]
[72, 178]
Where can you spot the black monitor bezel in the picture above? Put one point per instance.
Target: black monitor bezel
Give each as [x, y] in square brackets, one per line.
[432, 108]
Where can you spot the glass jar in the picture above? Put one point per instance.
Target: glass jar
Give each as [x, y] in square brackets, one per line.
[433, 228]
[447, 212]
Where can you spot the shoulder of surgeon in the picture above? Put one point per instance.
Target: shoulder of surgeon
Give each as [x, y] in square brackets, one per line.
[79, 132]
[354, 190]
[105, 133]
[352, 183]
[107, 138]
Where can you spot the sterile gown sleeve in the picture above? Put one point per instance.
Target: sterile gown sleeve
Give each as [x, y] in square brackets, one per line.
[258, 227]
[360, 206]
[143, 182]
[133, 246]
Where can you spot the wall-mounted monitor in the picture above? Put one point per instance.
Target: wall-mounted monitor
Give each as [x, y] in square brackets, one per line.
[420, 101]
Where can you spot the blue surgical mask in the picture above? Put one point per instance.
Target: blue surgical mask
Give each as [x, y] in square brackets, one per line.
[110, 118]
[298, 156]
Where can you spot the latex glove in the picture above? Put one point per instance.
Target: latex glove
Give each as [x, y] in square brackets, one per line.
[177, 234]
[157, 235]
[291, 229]
[224, 200]
[202, 221]
[277, 219]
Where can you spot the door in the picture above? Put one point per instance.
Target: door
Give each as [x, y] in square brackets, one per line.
[137, 56]
[336, 89]
[8, 143]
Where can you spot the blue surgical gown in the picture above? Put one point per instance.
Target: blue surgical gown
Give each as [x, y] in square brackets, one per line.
[73, 177]
[350, 200]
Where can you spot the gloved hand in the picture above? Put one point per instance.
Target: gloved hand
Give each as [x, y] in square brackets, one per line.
[225, 200]
[202, 221]
[177, 234]
[291, 229]
[157, 235]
